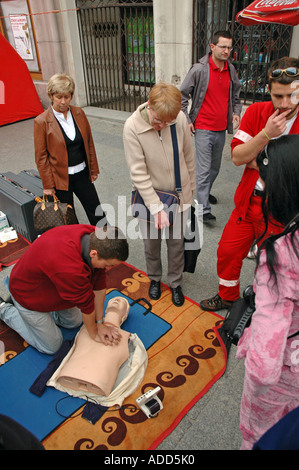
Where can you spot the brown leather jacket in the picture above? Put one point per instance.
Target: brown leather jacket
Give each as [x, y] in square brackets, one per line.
[51, 152]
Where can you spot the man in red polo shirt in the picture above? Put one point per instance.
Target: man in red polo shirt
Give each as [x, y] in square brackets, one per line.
[261, 123]
[214, 88]
[61, 280]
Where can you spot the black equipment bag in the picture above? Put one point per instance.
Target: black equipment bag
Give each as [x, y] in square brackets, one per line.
[238, 318]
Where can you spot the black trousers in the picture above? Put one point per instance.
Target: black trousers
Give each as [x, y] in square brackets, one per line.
[84, 189]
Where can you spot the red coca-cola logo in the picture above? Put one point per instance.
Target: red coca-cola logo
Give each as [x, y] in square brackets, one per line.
[273, 5]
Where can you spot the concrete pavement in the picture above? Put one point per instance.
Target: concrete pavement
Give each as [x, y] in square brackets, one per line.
[213, 422]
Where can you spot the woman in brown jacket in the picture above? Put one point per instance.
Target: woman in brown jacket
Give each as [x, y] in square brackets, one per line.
[149, 154]
[64, 150]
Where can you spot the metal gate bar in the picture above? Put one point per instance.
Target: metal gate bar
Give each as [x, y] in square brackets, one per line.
[117, 49]
[255, 47]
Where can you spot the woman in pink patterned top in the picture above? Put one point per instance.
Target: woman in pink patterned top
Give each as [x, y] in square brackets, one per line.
[270, 345]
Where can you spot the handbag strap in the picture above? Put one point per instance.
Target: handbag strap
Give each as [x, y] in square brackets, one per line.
[45, 199]
[176, 158]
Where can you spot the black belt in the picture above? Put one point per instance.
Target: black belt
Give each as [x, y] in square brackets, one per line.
[257, 192]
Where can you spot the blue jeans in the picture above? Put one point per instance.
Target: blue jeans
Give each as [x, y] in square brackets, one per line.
[39, 329]
[209, 147]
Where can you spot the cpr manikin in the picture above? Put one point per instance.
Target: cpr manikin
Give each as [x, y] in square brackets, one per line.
[94, 367]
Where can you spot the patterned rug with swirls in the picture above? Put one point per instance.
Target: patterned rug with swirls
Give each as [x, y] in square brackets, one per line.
[12, 250]
[184, 362]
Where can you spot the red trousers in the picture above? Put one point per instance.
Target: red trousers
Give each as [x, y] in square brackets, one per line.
[236, 240]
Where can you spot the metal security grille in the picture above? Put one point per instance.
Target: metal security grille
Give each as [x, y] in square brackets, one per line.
[117, 40]
[255, 47]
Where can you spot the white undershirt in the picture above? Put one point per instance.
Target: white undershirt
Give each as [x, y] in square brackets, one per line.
[67, 124]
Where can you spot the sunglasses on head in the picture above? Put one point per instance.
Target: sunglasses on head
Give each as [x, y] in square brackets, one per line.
[290, 72]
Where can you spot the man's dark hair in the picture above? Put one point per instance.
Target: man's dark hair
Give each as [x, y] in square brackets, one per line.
[220, 34]
[283, 63]
[109, 243]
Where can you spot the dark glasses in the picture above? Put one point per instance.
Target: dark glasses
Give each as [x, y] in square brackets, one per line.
[290, 72]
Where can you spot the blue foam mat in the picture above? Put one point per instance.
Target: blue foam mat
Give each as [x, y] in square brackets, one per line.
[38, 414]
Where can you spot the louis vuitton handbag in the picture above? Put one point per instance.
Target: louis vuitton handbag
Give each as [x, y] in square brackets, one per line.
[50, 214]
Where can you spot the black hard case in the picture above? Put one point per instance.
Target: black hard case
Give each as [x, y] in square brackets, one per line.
[17, 200]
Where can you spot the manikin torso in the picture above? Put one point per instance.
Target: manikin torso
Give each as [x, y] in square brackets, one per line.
[93, 367]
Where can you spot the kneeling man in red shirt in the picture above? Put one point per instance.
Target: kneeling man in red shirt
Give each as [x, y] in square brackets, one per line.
[61, 281]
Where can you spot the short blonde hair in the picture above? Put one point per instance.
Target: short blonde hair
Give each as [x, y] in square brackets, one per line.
[165, 99]
[60, 83]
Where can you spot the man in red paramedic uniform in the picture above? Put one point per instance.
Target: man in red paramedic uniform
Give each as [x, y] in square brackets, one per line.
[261, 122]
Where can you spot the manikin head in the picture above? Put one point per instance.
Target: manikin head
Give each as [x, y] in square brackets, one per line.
[117, 311]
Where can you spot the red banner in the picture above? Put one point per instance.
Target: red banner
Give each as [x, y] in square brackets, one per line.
[18, 97]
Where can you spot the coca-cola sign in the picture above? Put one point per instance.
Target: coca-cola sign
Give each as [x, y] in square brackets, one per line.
[270, 11]
[264, 6]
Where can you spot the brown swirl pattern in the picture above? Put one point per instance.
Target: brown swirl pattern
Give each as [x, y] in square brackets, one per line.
[117, 429]
[190, 364]
[182, 366]
[116, 426]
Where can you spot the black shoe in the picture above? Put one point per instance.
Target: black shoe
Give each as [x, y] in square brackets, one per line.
[155, 290]
[208, 217]
[215, 303]
[212, 199]
[177, 296]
